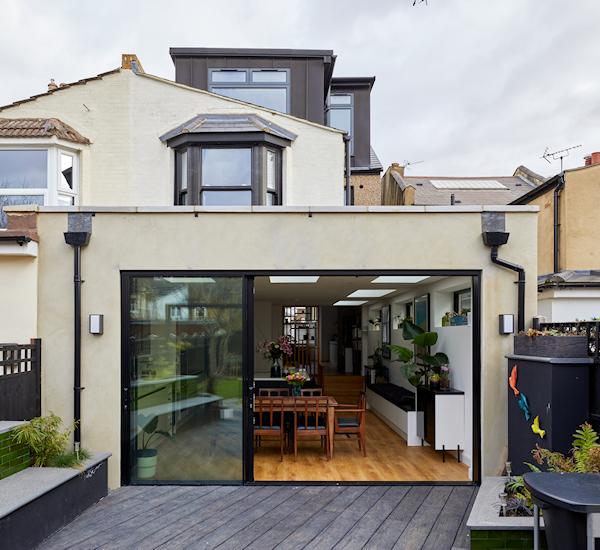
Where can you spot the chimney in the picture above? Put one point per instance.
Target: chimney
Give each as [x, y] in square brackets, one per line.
[398, 168]
[130, 61]
[592, 158]
[52, 85]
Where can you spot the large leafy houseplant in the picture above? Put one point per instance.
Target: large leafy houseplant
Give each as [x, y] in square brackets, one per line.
[418, 363]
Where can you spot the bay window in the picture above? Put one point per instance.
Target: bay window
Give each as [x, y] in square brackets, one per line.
[36, 175]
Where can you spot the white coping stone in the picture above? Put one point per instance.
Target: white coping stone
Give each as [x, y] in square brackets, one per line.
[486, 509]
[8, 425]
[25, 486]
[461, 209]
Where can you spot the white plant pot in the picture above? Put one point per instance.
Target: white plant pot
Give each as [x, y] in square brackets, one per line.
[146, 463]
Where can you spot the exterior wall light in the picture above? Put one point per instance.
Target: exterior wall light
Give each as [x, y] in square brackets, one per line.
[96, 323]
[507, 323]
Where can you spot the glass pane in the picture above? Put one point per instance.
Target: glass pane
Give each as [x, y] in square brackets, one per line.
[186, 379]
[271, 199]
[13, 200]
[226, 167]
[269, 76]
[183, 172]
[271, 98]
[228, 76]
[226, 198]
[341, 119]
[23, 169]
[340, 99]
[66, 171]
[271, 170]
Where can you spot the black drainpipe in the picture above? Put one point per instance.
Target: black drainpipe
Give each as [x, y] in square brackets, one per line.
[77, 239]
[494, 239]
[556, 251]
[347, 170]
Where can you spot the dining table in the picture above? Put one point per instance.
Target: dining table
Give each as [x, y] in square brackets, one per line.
[292, 403]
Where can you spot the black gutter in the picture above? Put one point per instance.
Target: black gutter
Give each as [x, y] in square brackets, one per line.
[520, 282]
[77, 239]
[19, 239]
[556, 251]
[347, 170]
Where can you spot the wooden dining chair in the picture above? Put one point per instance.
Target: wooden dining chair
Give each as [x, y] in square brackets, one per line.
[310, 420]
[311, 392]
[351, 420]
[268, 420]
[274, 392]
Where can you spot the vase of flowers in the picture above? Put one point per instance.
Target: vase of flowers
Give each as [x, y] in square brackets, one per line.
[275, 350]
[296, 380]
[444, 377]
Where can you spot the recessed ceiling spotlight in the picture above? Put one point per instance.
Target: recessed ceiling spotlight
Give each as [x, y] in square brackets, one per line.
[371, 292]
[406, 279]
[302, 279]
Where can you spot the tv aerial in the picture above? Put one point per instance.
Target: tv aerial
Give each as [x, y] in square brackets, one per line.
[549, 156]
[408, 163]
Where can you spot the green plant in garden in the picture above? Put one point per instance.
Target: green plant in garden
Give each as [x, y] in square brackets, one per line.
[47, 441]
[418, 364]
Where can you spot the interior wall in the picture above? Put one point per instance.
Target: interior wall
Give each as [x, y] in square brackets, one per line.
[328, 328]
[456, 342]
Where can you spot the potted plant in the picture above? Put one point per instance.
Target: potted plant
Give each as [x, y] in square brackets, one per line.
[378, 368]
[147, 457]
[418, 364]
[275, 350]
[460, 319]
[434, 381]
[446, 318]
[551, 343]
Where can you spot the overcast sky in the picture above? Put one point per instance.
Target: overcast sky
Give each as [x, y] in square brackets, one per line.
[469, 87]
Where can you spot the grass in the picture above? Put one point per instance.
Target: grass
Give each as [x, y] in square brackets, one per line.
[69, 460]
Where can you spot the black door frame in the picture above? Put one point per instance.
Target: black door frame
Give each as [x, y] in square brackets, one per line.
[248, 362]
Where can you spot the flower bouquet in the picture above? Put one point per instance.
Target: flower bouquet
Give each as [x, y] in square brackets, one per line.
[275, 350]
[296, 380]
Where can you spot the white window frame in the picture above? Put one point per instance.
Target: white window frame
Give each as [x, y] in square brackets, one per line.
[53, 190]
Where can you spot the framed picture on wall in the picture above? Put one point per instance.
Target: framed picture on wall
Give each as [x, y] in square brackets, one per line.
[386, 332]
[422, 311]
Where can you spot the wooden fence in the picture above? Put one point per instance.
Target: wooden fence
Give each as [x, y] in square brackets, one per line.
[20, 380]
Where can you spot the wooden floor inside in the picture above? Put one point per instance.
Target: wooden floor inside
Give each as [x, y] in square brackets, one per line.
[388, 459]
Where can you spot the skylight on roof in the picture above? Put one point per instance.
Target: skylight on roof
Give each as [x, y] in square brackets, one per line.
[467, 184]
[371, 292]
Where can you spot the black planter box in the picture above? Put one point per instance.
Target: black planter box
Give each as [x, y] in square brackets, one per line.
[551, 346]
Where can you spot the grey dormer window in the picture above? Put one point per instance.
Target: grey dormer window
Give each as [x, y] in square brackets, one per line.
[268, 88]
[340, 114]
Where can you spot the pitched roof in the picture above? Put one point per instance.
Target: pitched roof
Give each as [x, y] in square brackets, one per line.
[39, 128]
[570, 278]
[437, 191]
[224, 123]
[60, 88]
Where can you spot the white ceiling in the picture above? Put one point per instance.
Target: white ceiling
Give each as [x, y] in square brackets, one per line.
[327, 290]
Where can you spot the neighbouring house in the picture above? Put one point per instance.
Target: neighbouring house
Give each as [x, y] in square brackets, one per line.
[568, 255]
[400, 189]
[187, 227]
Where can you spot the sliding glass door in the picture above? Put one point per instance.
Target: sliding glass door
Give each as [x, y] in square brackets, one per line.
[183, 379]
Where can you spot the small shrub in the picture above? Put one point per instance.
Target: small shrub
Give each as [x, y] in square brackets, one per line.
[44, 437]
[69, 460]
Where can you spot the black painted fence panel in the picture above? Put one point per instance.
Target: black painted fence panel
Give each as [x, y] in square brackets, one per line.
[20, 380]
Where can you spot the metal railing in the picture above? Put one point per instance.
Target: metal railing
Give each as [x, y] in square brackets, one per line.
[591, 329]
[20, 380]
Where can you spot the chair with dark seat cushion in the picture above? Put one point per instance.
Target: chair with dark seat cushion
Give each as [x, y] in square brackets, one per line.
[351, 420]
[310, 420]
[268, 415]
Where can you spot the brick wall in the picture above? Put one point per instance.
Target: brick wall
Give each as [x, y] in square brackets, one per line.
[367, 189]
[13, 457]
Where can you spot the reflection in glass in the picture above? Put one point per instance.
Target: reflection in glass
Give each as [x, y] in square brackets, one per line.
[340, 99]
[271, 98]
[341, 119]
[269, 76]
[226, 167]
[228, 76]
[23, 169]
[226, 198]
[66, 171]
[271, 170]
[186, 379]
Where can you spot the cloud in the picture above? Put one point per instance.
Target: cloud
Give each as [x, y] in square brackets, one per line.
[467, 86]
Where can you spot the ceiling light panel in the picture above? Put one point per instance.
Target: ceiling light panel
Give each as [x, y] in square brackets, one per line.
[371, 292]
[404, 279]
[294, 279]
[350, 302]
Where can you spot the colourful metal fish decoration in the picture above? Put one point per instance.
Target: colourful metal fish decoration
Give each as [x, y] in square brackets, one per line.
[512, 381]
[535, 427]
[524, 406]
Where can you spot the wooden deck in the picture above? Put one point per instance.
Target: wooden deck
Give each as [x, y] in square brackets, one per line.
[283, 517]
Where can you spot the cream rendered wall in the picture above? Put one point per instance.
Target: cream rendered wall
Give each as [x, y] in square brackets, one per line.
[18, 313]
[357, 239]
[124, 114]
